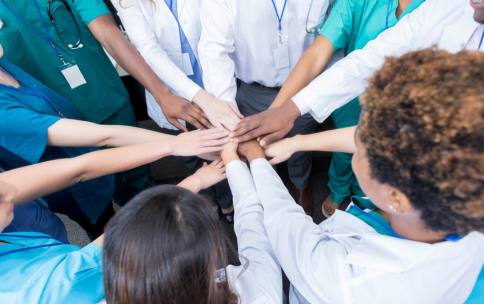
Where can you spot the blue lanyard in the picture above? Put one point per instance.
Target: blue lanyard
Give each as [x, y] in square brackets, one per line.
[45, 31]
[279, 17]
[480, 42]
[28, 89]
[383, 225]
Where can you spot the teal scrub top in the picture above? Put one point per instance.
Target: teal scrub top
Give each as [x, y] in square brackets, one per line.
[353, 23]
[39, 269]
[25, 45]
[26, 115]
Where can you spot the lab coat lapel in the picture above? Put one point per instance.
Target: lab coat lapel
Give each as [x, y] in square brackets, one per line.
[455, 36]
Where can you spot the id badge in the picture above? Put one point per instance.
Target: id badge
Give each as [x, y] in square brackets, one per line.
[186, 64]
[281, 54]
[73, 76]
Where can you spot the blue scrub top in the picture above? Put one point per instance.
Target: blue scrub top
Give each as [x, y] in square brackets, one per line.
[39, 269]
[26, 115]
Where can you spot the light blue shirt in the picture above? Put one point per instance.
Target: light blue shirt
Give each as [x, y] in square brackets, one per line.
[39, 269]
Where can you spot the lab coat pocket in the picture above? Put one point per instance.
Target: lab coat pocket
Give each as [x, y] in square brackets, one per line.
[11, 41]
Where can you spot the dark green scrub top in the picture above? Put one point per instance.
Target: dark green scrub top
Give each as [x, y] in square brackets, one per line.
[26, 46]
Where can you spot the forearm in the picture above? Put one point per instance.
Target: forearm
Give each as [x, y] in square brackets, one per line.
[338, 140]
[311, 64]
[76, 133]
[38, 180]
[112, 39]
[191, 183]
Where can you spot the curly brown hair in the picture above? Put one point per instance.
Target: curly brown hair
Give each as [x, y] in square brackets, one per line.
[423, 128]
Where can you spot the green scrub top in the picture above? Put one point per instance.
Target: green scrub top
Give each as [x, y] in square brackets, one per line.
[353, 23]
[26, 46]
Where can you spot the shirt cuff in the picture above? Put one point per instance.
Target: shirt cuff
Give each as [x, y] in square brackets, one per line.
[300, 102]
[191, 91]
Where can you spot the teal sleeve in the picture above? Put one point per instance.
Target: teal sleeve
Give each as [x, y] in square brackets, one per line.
[338, 27]
[90, 9]
[23, 131]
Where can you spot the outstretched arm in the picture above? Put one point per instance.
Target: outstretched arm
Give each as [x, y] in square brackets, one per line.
[68, 133]
[253, 244]
[339, 140]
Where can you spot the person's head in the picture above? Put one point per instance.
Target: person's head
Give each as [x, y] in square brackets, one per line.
[6, 205]
[478, 6]
[420, 139]
[165, 246]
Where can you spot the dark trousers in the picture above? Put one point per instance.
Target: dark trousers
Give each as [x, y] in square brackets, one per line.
[255, 98]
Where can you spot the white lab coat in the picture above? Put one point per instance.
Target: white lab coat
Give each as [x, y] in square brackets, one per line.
[261, 281]
[344, 260]
[448, 24]
[153, 30]
[239, 36]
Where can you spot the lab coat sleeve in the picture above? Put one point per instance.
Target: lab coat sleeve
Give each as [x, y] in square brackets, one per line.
[252, 240]
[217, 43]
[142, 35]
[348, 78]
[311, 259]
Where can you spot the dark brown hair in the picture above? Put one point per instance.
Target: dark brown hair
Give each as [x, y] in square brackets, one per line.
[165, 247]
[423, 128]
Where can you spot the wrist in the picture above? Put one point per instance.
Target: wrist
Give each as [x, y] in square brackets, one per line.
[291, 110]
[202, 99]
[255, 154]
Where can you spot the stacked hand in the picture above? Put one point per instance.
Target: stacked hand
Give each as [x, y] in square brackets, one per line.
[268, 126]
[249, 150]
[199, 142]
[176, 108]
[220, 113]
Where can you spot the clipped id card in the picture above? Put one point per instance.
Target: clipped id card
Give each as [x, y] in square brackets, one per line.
[186, 64]
[73, 76]
[281, 56]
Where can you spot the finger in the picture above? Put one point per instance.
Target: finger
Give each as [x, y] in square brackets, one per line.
[244, 126]
[177, 124]
[210, 149]
[213, 136]
[194, 122]
[251, 135]
[270, 138]
[215, 142]
[196, 113]
[275, 161]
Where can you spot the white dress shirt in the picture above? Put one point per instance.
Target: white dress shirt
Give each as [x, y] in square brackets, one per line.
[448, 24]
[239, 37]
[259, 279]
[344, 260]
[153, 30]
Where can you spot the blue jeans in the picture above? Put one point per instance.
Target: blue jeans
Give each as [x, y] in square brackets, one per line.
[34, 216]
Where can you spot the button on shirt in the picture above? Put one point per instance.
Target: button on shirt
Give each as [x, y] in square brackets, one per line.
[449, 24]
[238, 39]
[103, 94]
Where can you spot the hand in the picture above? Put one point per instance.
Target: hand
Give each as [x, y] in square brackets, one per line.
[209, 175]
[270, 125]
[220, 113]
[251, 150]
[199, 142]
[229, 152]
[175, 108]
[281, 151]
